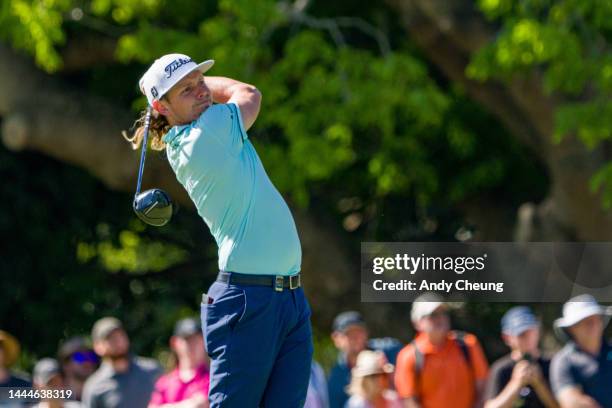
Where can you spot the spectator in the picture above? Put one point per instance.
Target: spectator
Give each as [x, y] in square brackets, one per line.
[188, 383]
[520, 378]
[350, 336]
[9, 353]
[581, 372]
[122, 381]
[370, 385]
[48, 377]
[78, 362]
[316, 396]
[439, 368]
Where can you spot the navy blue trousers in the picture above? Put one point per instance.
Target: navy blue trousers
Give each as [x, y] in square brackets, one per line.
[260, 345]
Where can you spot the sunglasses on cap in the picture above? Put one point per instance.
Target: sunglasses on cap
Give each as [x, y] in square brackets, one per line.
[82, 357]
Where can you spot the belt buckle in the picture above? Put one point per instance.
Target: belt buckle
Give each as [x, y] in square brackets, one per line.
[278, 283]
[297, 281]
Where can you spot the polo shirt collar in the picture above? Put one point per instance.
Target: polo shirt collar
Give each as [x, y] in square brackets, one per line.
[604, 351]
[172, 137]
[107, 367]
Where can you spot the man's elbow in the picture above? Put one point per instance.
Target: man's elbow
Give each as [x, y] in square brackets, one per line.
[254, 94]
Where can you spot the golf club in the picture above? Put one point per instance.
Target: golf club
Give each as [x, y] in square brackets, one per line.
[153, 206]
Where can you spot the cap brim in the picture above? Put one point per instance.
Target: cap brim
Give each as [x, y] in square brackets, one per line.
[521, 329]
[202, 67]
[205, 66]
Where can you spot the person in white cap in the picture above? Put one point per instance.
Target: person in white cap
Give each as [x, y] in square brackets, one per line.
[581, 372]
[48, 380]
[370, 383]
[440, 367]
[255, 317]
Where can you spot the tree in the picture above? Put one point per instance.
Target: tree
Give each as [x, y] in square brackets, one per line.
[373, 130]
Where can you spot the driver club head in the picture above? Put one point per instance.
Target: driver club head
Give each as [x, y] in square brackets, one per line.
[154, 207]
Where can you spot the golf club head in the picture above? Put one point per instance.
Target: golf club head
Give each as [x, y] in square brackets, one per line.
[154, 207]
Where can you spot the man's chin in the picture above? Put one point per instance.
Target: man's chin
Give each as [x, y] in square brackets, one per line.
[116, 357]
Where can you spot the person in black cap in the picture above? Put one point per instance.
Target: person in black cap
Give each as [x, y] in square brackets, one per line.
[78, 362]
[122, 381]
[188, 383]
[350, 336]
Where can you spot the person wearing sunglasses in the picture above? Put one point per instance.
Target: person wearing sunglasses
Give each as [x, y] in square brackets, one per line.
[78, 362]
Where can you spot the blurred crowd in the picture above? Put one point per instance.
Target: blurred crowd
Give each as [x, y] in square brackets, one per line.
[439, 368]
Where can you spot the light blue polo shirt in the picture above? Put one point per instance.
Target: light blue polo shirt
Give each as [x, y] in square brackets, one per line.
[220, 169]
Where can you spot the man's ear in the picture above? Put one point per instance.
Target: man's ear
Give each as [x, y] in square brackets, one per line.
[160, 107]
[507, 340]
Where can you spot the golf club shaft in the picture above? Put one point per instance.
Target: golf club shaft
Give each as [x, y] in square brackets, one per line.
[143, 154]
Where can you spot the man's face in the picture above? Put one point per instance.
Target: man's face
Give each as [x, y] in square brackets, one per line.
[190, 347]
[437, 323]
[526, 342]
[352, 340]
[116, 345]
[80, 364]
[586, 330]
[186, 100]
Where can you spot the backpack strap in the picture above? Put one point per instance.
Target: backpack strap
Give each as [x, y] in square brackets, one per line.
[419, 362]
[465, 350]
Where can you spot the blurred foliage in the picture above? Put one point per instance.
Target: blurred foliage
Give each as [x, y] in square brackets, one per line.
[568, 42]
[363, 133]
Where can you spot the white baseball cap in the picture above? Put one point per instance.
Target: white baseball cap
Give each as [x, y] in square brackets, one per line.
[371, 362]
[424, 305]
[166, 71]
[579, 308]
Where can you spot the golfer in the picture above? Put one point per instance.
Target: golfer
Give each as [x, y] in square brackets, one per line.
[255, 318]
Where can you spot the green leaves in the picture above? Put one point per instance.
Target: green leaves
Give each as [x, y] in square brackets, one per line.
[36, 27]
[568, 42]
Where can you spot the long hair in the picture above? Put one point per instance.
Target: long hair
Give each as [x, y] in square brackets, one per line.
[158, 127]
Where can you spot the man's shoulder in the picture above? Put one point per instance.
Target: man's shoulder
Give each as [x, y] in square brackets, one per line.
[563, 354]
[17, 380]
[502, 364]
[461, 336]
[213, 116]
[98, 376]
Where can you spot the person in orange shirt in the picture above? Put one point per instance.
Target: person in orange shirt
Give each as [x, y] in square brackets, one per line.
[440, 368]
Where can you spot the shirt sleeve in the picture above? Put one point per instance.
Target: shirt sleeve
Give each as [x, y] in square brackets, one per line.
[561, 374]
[88, 399]
[335, 386]
[494, 383]
[224, 123]
[405, 378]
[479, 361]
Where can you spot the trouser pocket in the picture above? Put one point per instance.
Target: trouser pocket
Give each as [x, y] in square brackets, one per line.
[224, 307]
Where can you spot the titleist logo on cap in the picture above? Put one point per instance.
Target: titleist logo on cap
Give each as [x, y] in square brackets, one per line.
[176, 64]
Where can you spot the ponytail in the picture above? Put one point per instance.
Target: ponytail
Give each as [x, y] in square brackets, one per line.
[158, 127]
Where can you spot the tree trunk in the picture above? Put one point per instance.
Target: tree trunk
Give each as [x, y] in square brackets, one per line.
[449, 32]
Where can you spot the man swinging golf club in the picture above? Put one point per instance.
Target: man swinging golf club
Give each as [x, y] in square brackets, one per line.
[255, 318]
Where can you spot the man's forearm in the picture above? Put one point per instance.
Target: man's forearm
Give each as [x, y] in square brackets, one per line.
[545, 395]
[507, 397]
[223, 88]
